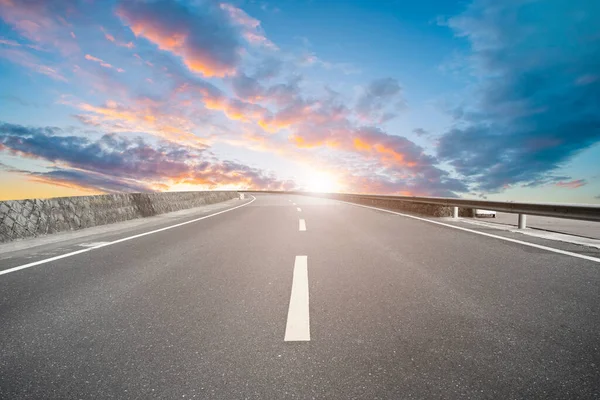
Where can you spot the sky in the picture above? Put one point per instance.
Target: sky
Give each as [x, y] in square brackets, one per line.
[486, 99]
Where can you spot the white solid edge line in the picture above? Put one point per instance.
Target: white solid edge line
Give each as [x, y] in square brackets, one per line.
[537, 246]
[302, 225]
[298, 320]
[299, 209]
[47, 260]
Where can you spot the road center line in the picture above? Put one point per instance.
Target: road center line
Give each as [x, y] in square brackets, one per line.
[299, 209]
[298, 320]
[302, 226]
[47, 260]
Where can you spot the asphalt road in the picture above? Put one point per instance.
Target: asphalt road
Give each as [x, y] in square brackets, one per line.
[361, 304]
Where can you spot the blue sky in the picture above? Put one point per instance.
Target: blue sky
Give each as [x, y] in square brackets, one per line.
[475, 98]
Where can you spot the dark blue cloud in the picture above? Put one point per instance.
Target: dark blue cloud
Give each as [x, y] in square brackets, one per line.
[538, 98]
[111, 154]
[87, 179]
[114, 163]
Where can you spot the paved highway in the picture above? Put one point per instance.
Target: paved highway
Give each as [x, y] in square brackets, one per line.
[297, 297]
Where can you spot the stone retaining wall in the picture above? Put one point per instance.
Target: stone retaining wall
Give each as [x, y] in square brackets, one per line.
[20, 219]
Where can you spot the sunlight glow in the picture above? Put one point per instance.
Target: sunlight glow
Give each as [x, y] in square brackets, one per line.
[319, 181]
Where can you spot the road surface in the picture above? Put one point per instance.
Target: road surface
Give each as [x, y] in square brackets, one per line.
[301, 298]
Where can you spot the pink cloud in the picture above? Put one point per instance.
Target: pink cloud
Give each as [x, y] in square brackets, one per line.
[234, 109]
[102, 63]
[207, 42]
[112, 39]
[98, 60]
[41, 22]
[165, 121]
[572, 184]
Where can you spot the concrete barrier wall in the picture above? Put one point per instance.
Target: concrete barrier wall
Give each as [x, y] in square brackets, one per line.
[20, 219]
[432, 210]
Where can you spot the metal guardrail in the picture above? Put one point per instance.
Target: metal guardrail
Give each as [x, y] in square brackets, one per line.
[585, 212]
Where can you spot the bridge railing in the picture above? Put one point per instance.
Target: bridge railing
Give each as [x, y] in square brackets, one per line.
[585, 212]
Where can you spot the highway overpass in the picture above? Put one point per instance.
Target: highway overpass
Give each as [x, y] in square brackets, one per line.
[289, 296]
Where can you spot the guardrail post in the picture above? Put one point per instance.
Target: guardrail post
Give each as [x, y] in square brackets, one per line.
[522, 221]
[454, 212]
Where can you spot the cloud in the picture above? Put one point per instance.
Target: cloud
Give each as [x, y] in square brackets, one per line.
[268, 68]
[88, 180]
[11, 43]
[235, 109]
[287, 116]
[116, 163]
[319, 122]
[110, 155]
[536, 104]
[380, 100]
[326, 122]
[142, 115]
[285, 94]
[41, 21]
[119, 43]
[205, 37]
[32, 63]
[251, 29]
[421, 132]
[100, 61]
[214, 99]
[310, 59]
[572, 184]
[546, 180]
[247, 88]
[95, 78]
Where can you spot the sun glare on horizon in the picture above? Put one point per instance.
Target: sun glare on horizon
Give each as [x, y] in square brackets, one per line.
[319, 181]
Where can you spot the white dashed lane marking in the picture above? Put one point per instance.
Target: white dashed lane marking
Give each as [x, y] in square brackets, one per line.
[298, 320]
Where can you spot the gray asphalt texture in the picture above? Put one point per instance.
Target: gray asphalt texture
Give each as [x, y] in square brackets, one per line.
[399, 309]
